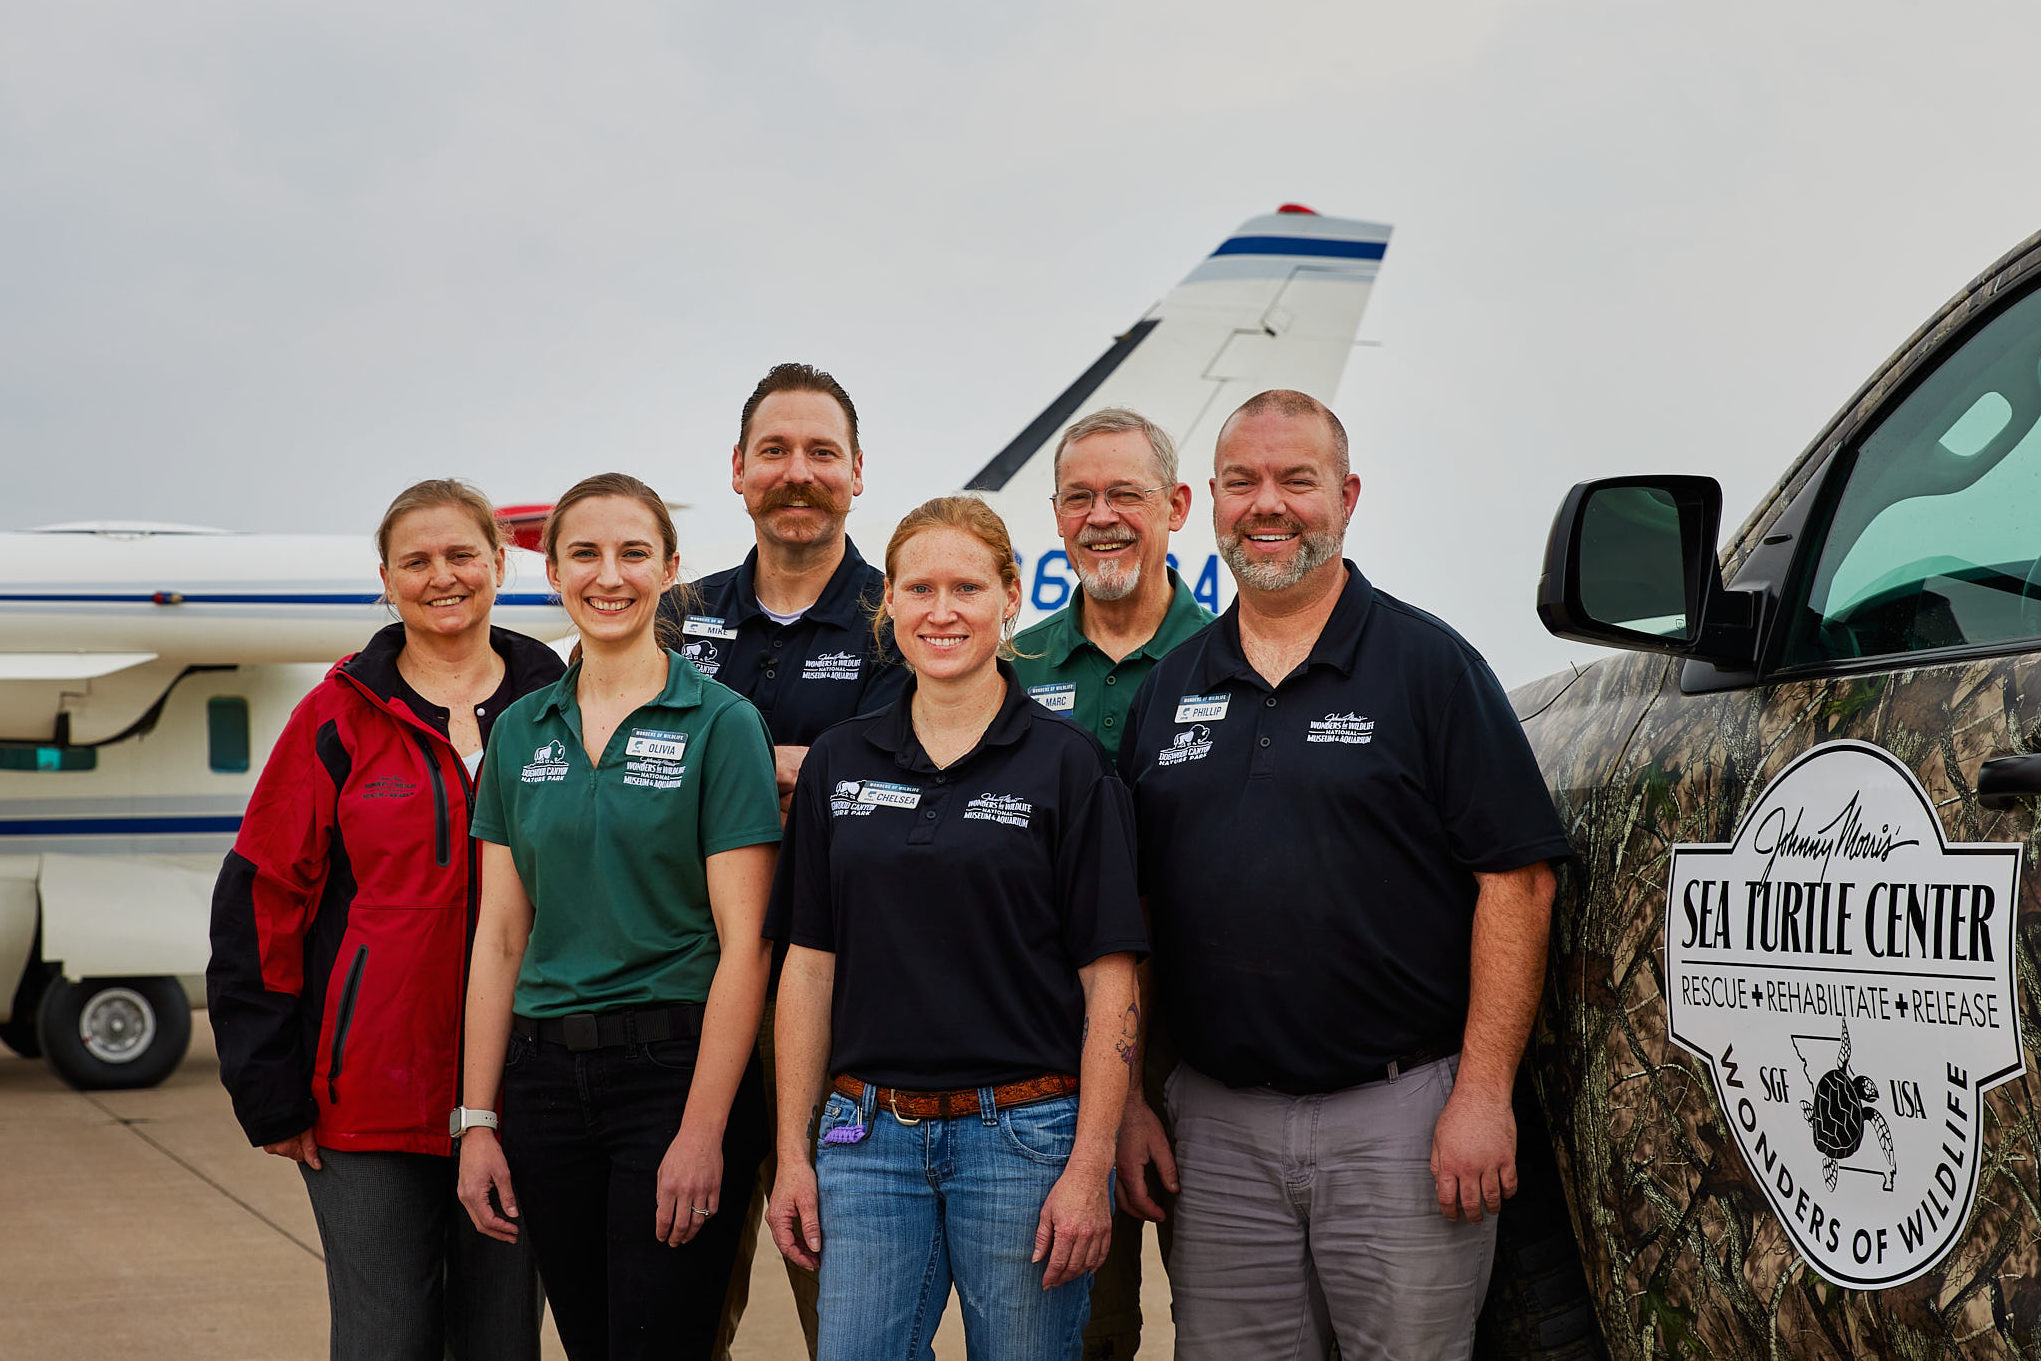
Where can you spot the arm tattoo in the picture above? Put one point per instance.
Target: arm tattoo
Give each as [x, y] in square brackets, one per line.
[1127, 1044]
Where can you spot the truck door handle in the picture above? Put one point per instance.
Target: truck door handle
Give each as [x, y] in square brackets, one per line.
[2003, 779]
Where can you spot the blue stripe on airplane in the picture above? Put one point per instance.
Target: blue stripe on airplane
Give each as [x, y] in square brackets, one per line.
[186, 598]
[1303, 245]
[188, 825]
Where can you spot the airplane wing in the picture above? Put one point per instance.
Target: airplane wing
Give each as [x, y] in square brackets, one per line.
[1276, 305]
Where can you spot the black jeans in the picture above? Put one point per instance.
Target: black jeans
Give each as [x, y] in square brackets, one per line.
[408, 1278]
[584, 1135]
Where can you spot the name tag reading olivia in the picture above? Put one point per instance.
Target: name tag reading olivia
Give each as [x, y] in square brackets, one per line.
[1057, 699]
[1202, 708]
[706, 626]
[667, 746]
[889, 795]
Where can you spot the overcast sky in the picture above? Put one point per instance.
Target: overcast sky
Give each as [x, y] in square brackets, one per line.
[262, 264]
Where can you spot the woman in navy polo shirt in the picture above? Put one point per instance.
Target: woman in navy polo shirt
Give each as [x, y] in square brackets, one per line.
[957, 891]
[627, 817]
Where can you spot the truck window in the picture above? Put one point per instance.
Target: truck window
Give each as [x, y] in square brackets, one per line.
[1935, 540]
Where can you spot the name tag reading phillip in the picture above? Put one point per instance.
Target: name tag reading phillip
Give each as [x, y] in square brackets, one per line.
[1201, 708]
[889, 795]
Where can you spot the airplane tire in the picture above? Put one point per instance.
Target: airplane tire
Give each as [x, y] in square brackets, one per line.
[108, 1033]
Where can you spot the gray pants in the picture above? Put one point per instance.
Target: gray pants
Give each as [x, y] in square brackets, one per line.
[1305, 1218]
[407, 1276]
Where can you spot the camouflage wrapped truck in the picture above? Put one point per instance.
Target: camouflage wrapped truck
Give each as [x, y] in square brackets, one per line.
[1784, 1053]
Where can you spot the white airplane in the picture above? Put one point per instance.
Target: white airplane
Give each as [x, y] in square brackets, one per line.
[145, 669]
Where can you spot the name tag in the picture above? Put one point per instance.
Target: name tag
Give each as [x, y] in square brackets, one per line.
[706, 626]
[889, 795]
[1201, 708]
[1059, 699]
[668, 746]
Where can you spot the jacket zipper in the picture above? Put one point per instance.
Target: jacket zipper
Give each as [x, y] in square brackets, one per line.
[442, 836]
[342, 1021]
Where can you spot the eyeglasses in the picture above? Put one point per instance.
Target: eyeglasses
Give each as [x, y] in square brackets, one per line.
[1126, 500]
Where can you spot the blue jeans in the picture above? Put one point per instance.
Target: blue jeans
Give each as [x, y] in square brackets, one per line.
[907, 1209]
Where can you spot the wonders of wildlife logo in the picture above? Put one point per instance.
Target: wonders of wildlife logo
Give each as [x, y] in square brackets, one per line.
[1848, 977]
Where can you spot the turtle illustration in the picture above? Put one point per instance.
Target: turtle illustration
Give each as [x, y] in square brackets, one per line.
[1837, 1115]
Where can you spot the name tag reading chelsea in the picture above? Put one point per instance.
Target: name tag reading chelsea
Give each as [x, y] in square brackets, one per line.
[889, 795]
[1201, 708]
[706, 626]
[1057, 699]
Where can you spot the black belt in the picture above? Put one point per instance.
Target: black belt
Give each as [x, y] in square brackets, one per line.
[588, 1030]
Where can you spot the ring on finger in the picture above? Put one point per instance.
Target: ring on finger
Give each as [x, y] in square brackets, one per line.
[696, 1209]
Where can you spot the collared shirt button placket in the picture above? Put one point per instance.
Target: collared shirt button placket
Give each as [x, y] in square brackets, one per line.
[1263, 760]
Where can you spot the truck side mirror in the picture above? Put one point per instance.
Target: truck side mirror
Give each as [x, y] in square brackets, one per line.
[1631, 563]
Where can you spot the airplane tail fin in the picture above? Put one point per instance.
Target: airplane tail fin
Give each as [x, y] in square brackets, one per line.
[1276, 305]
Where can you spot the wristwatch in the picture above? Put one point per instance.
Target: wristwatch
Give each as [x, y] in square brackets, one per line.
[466, 1118]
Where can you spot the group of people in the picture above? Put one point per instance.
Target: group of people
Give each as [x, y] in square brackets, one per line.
[811, 891]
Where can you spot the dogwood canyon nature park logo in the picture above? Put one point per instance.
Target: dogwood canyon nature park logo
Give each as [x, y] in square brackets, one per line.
[1848, 976]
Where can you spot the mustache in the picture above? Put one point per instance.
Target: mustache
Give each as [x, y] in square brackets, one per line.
[1092, 535]
[1269, 524]
[814, 494]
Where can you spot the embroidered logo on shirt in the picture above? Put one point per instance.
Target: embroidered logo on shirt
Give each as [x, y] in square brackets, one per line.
[707, 626]
[1004, 809]
[657, 759]
[548, 764]
[833, 666]
[1202, 708]
[389, 787]
[843, 801]
[704, 655]
[1350, 729]
[1057, 699]
[1192, 744]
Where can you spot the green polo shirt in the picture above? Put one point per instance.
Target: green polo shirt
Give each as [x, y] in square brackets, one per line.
[612, 855]
[1069, 675]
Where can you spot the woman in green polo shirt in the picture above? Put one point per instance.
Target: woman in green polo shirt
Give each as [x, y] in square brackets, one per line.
[628, 819]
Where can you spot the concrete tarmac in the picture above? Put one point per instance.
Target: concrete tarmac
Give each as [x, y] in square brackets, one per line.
[142, 1224]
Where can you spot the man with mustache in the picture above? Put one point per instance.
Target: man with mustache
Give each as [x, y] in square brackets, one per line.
[1344, 845]
[790, 629]
[1117, 501]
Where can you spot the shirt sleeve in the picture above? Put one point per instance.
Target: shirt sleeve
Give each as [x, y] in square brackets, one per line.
[1095, 883]
[1491, 797]
[740, 799]
[800, 912]
[264, 903]
[491, 819]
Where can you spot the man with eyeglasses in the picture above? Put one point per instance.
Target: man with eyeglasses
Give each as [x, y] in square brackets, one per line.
[1117, 501]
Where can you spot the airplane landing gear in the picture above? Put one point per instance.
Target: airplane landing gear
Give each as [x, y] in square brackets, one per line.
[107, 1033]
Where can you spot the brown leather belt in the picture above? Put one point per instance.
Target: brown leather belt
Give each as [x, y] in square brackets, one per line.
[964, 1101]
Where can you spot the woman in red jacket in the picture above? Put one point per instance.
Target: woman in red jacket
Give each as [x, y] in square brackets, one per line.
[341, 928]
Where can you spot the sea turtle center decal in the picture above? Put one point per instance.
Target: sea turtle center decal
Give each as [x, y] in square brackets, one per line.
[1848, 976]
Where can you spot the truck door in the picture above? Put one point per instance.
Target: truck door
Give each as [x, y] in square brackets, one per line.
[1789, 869]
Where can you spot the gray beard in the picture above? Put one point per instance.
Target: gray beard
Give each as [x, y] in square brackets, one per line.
[1110, 582]
[1313, 552]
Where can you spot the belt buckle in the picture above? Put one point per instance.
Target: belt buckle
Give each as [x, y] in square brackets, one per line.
[580, 1033]
[893, 1100]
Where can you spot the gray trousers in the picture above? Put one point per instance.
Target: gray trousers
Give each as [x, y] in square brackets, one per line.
[1305, 1218]
[408, 1278]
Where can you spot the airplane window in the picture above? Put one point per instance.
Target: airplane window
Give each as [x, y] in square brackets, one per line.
[1932, 543]
[227, 734]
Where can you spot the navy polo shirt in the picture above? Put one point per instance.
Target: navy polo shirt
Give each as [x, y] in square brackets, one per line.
[959, 902]
[802, 677]
[1308, 851]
